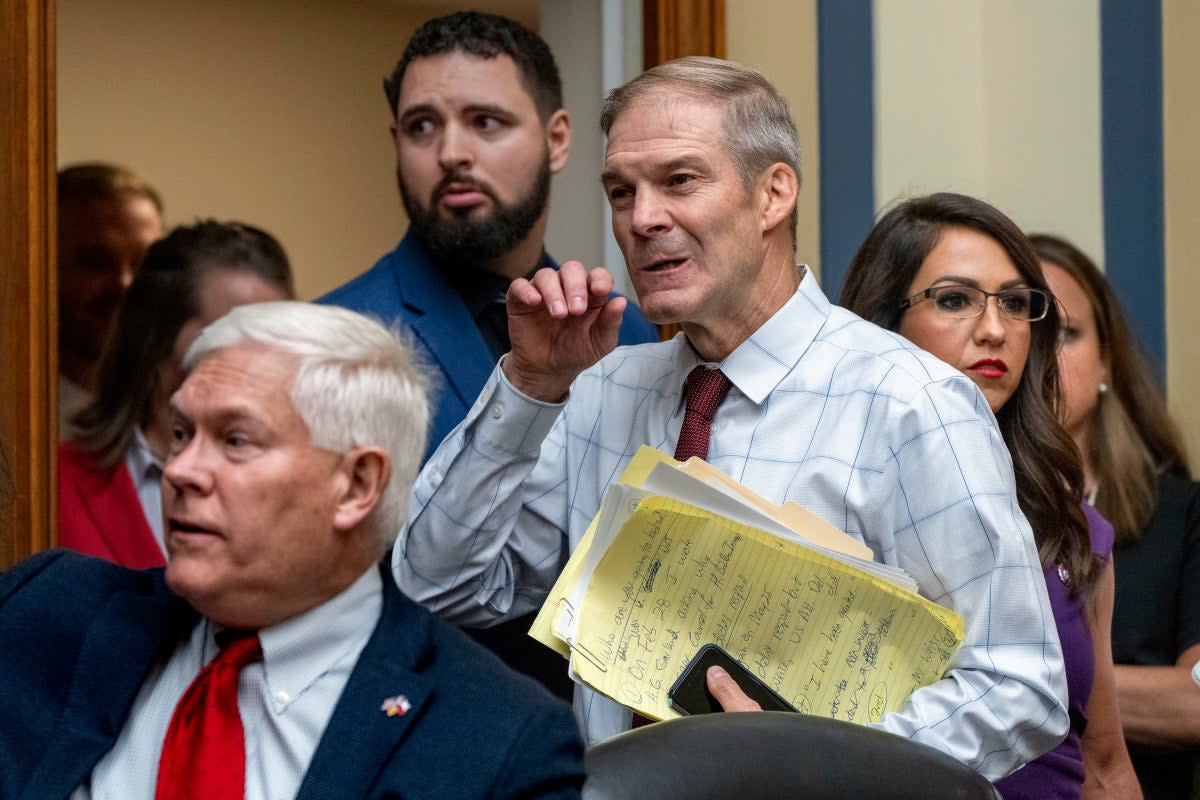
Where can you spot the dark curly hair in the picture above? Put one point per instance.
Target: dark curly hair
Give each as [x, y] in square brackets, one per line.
[485, 36]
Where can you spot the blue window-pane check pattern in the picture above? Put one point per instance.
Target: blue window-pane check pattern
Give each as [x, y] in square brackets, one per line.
[852, 422]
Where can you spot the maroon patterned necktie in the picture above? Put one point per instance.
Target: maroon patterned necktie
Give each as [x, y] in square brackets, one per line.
[704, 389]
[204, 752]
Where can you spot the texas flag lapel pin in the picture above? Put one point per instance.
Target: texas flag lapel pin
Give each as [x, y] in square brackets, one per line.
[396, 706]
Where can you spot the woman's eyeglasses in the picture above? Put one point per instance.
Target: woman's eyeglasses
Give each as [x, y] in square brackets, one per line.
[968, 302]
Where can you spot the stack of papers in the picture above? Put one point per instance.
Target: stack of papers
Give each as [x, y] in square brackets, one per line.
[682, 555]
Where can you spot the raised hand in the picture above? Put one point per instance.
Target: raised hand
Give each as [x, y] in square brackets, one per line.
[560, 323]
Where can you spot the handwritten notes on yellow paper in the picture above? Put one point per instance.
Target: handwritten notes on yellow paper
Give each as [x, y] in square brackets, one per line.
[654, 578]
[556, 602]
[833, 640]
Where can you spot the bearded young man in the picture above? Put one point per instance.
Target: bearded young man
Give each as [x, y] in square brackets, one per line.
[479, 130]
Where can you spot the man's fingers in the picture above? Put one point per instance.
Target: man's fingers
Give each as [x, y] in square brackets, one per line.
[570, 290]
[608, 325]
[574, 278]
[564, 290]
[600, 286]
[549, 285]
[523, 293]
[727, 692]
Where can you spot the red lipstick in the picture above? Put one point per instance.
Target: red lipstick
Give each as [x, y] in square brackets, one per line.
[989, 367]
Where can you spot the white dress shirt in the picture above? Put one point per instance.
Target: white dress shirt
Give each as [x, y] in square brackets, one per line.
[852, 422]
[285, 700]
[146, 470]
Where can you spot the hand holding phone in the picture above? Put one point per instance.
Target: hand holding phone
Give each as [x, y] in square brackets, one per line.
[689, 695]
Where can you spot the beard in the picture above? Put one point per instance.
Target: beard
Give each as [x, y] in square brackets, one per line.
[460, 244]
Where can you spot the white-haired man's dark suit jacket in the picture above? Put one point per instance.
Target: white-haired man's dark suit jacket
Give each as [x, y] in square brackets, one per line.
[79, 635]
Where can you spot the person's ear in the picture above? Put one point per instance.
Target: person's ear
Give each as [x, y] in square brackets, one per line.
[558, 139]
[363, 476]
[393, 132]
[779, 187]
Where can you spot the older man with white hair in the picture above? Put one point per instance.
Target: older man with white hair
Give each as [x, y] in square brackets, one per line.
[273, 657]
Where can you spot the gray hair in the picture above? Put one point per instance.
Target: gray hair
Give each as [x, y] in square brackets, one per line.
[758, 129]
[357, 385]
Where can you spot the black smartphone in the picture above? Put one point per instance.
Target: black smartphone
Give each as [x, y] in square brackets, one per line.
[689, 695]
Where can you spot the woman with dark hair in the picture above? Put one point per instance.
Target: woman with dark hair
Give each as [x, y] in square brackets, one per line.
[930, 270]
[108, 493]
[1135, 471]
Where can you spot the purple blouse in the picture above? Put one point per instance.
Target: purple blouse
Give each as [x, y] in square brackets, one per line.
[1059, 773]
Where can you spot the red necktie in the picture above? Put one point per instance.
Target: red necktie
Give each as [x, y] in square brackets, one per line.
[704, 389]
[204, 753]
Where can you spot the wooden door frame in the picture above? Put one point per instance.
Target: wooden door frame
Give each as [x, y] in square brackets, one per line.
[675, 28]
[28, 512]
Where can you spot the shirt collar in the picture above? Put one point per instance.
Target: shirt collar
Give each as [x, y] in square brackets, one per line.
[480, 288]
[141, 462]
[299, 651]
[761, 362]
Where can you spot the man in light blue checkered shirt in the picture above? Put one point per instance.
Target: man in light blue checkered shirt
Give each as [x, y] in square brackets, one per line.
[852, 422]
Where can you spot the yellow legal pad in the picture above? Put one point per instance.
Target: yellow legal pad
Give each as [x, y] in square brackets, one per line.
[656, 577]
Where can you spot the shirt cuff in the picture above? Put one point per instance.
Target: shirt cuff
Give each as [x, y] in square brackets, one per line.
[511, 423]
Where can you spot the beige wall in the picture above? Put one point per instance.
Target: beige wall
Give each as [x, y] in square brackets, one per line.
[999, 100]
[270, 112]
[779, 38]
[1042, 116]
[929, 109]
[577, 207]
[1181, 124]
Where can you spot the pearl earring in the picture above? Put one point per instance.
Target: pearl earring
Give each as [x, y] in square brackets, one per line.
[1103, 387]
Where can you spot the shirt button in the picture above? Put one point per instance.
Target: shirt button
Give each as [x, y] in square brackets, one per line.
[497, 411]
[282, 698]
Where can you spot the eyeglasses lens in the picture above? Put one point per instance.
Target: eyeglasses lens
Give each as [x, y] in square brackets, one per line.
[966, 302]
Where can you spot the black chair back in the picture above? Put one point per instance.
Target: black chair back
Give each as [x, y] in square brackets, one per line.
[773, 754]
